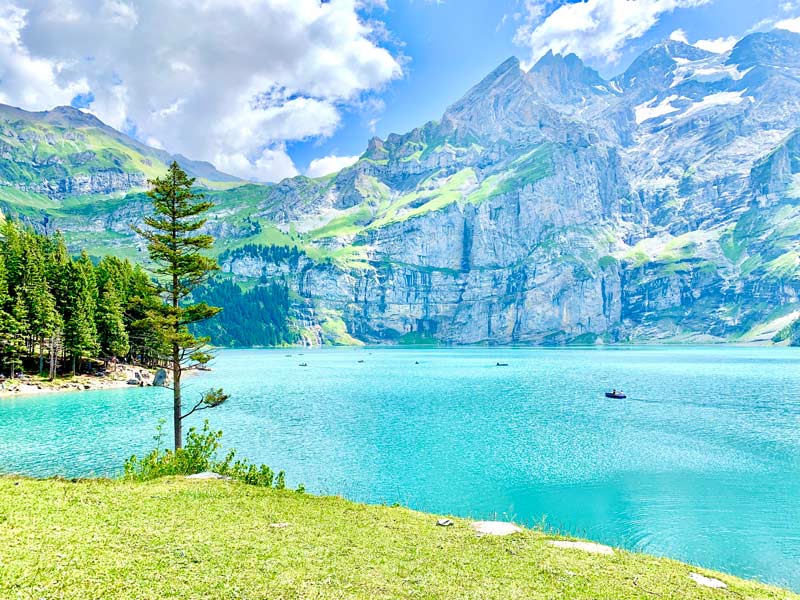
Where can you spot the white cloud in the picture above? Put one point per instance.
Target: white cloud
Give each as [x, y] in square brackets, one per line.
[30, 81]
[790, 5]
[593, 28]
[320, 167]
[271, 164]
[679, 35]
[789, 24]
[719, 45]
[120, 13]
[231, 81]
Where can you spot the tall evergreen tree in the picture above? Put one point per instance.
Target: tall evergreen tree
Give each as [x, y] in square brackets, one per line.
[80, 332]
[175, 245]
[16, 346]
[43, 318]
[111, 331]
[10, 329]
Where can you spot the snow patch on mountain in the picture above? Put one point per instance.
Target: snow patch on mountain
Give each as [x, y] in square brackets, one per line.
[718, 99]
[646, 110]
[706, 71]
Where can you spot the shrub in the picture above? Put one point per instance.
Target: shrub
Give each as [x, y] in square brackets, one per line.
[199, 454]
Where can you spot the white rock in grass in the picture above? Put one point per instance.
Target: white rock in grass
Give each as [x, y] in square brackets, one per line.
[444, 522]
[279, 525]
[207, 475]
[495, 528]
[585, 546]
[709, 582]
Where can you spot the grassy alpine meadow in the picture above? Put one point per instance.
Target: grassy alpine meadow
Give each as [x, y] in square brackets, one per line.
[178, 538]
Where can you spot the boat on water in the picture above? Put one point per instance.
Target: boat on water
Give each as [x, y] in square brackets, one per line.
[303, 364]
[616, 394]
[502, 364]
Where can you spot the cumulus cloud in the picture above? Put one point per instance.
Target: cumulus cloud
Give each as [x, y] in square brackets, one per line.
[719, 45]
[231, 81]
[27, 79]
[326, 165]
[789, 24]
[593, 28]
[679, 35]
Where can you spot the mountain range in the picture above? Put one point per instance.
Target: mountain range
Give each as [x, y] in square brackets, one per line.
[545, 206]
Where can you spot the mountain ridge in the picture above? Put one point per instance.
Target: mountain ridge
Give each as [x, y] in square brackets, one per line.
[545, 206]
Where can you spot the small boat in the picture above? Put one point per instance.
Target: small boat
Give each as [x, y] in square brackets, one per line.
[616, 394]
[361, 361]
[303, 364]
[502, 364]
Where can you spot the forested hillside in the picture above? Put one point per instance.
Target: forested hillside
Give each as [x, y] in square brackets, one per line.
[56, 311]
[255, 317]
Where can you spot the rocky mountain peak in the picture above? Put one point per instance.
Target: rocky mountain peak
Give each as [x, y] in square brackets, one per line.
[507, 74]
[653, 69]
[776, 48]
[565, 77]
[68, 116]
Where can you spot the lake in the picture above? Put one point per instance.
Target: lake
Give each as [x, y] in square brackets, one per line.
[701, 463]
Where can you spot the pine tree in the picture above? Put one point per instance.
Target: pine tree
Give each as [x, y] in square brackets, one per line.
[175, 246]
[10, 329]
[43, 319]
[111, 331]
[16, 324]
[80, 332]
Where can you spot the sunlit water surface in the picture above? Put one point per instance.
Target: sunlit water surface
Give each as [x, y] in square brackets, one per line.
[701, 463]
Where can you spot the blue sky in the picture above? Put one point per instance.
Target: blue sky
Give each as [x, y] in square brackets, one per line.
[453, 44]
[267, 89]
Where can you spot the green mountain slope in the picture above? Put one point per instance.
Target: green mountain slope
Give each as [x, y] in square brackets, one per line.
[47, 157]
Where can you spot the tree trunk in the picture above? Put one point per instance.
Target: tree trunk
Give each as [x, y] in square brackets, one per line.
[54, 343]
[176, 370]
[176, 396]
[73, 365]
[41, 356]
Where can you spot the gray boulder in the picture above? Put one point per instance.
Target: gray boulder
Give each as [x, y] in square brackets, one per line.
[160, 378]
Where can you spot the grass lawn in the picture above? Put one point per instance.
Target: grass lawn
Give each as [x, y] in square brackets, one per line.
[173, 538]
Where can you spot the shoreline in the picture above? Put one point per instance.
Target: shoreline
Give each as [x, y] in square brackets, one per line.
[34, 385]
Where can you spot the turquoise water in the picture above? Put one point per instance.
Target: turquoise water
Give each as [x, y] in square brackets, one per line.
[702, 463]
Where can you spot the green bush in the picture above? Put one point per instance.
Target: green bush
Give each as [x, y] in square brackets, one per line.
[199, 454]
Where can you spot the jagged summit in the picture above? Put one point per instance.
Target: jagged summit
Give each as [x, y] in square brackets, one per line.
[565, 78]
[505, 75]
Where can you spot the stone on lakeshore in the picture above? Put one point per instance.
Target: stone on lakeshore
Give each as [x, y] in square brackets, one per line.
[160, 378]
[708, 582]
[444, 522]
[585, 546]
[495, 528]
[207, 475]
